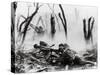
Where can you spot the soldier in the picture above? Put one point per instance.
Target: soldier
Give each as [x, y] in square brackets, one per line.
[72, 58]
[67, 56]
[61, 49]
[42, 48]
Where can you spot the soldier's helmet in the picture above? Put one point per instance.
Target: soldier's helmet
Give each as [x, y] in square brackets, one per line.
[66, 45]
[36, 46]
[42, 43]
[61, 46]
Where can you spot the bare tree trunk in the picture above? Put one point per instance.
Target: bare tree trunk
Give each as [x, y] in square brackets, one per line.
[53, 30]
[88, 30]
[63, 19]
[27, 23]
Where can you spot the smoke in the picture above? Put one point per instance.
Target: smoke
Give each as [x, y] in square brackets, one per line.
[74, 17]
